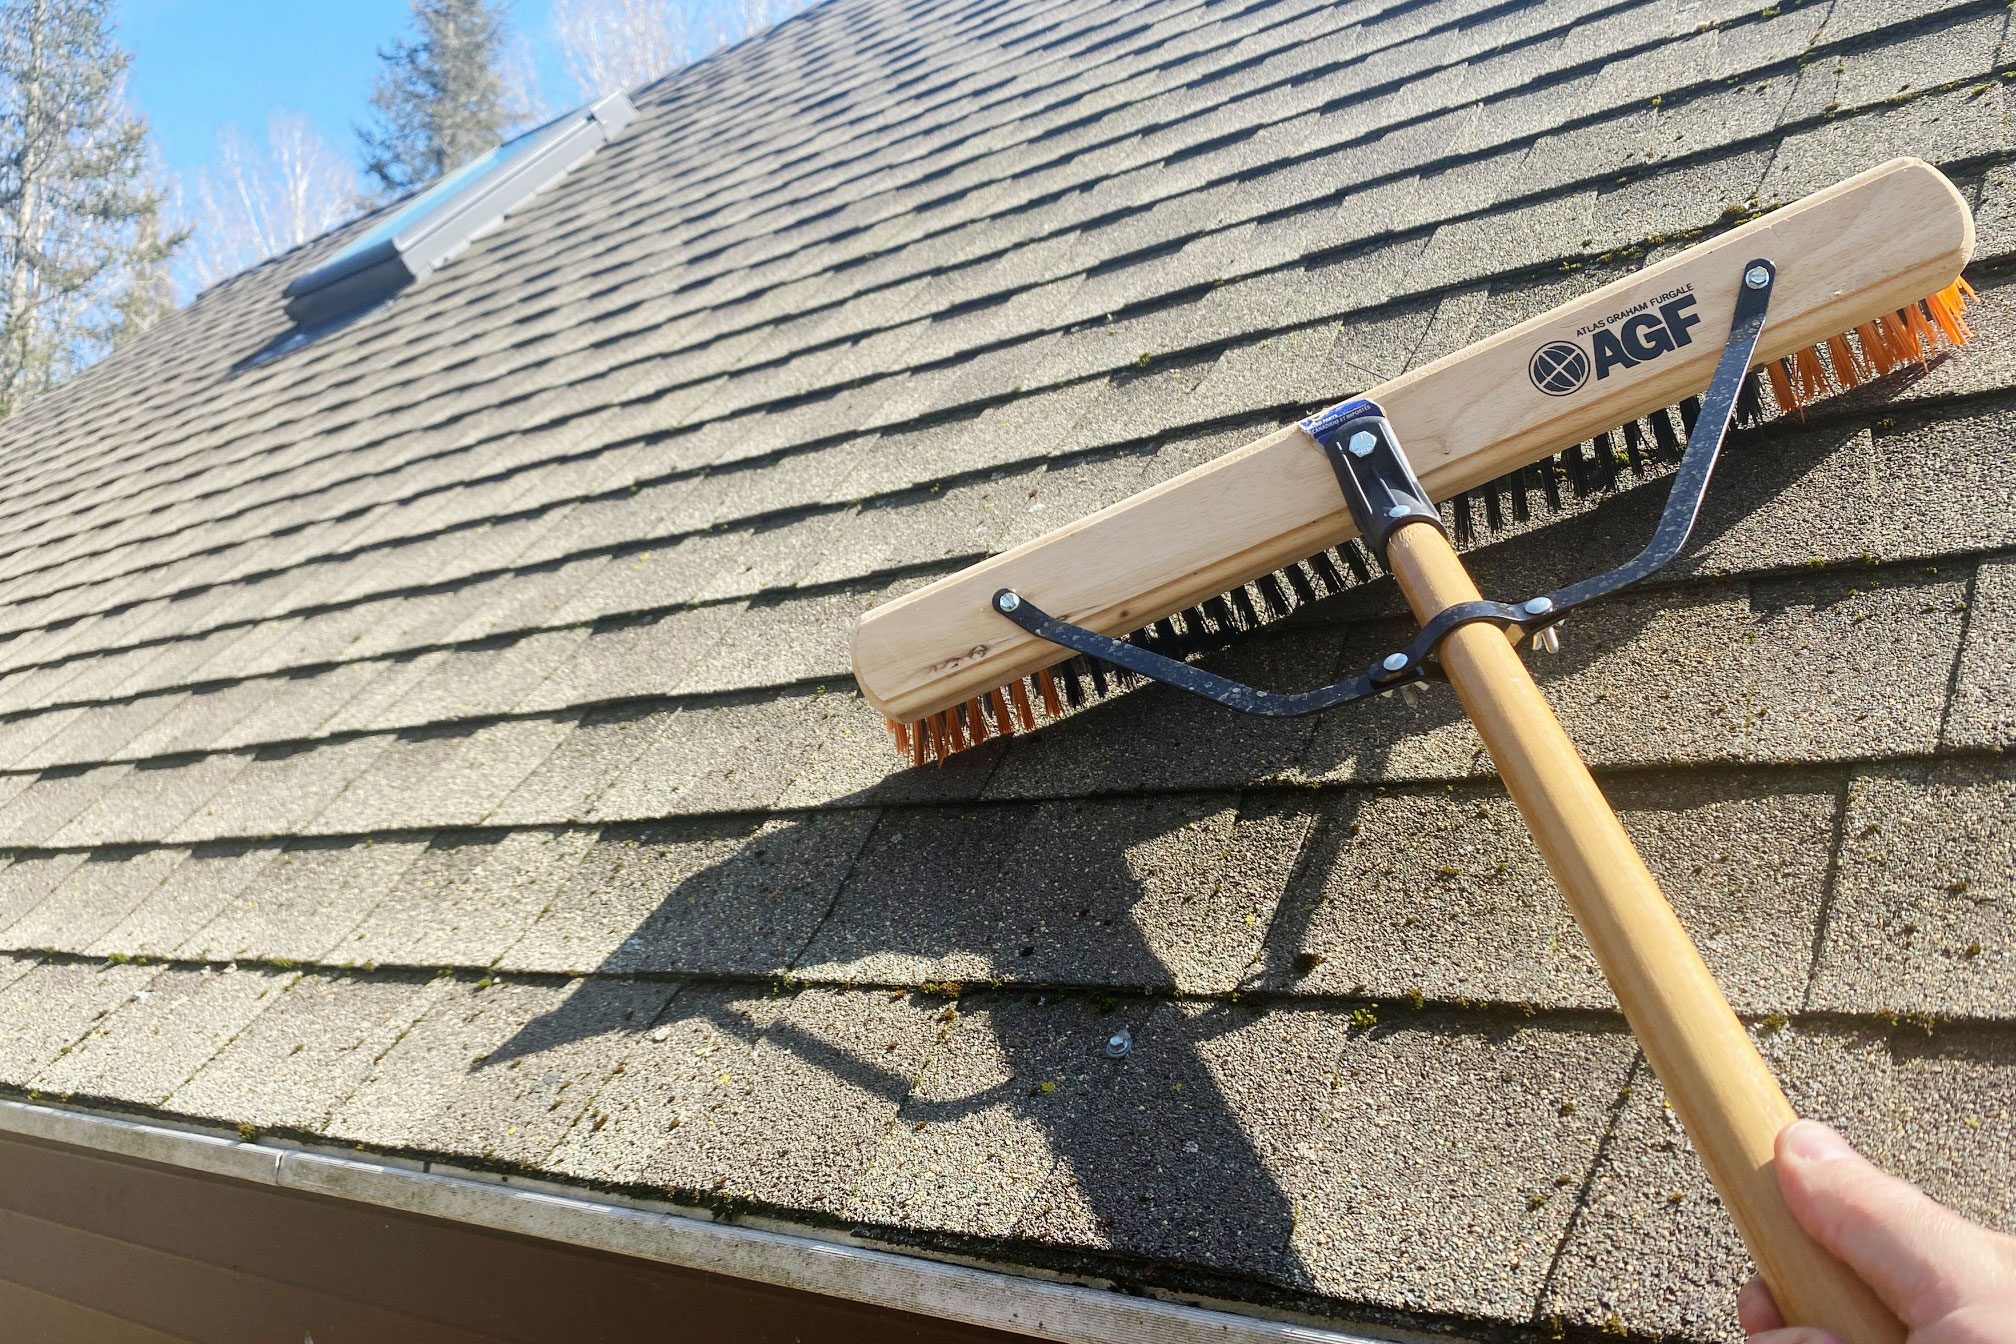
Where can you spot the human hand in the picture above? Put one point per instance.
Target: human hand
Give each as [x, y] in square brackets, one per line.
[1948, 1280]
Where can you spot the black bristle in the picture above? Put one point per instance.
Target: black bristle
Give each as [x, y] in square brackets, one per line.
[1690, 411]
[1494, 513]
[1465, 527]
[1070, 675]
[1298, 582]
[1220, 612]
[1327, 572]
[1550, 478]
[1097, 671]
[1271, 593]
[1353, 556]
[1575, 463]
[1750, 400]
[1192, 636]
[1515, 485]
[1242, 602]
[1167, 641]
[1606, 461]
[1670, 445]
[1634, 446]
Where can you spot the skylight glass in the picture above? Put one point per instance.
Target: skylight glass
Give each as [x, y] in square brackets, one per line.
[433, 227]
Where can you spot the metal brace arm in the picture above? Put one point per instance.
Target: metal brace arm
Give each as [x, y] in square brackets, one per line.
[1383, 494]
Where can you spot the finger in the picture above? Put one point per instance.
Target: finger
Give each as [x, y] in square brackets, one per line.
[1921, 1258]
[1798, 1334]
[1756, 1310]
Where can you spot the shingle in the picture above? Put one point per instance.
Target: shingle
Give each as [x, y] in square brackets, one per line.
[303, 1056]
[696, 899]
[53, 1005]
[1421, 891]
[1935, 1109]
[306, 905]
[698, 1045]
[497, 1072]
[96, 895]
[1983, 711]
[149, 1047]
[280, 789]
[151, 801]
[1918, 921]
[1432, 1181]
[54, 799]
[445, 776]
[469, 897]
[186, 899]
[27, 879]
[798, 1124]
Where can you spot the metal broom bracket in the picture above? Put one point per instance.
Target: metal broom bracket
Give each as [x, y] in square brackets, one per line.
[1383, 494]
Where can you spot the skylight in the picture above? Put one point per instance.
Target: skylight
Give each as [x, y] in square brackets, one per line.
[434, 227]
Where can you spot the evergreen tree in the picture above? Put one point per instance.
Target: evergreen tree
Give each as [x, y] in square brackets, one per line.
[81, 244]
[440, 100]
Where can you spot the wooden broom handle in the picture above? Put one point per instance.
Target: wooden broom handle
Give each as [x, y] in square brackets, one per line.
[1719, 1086]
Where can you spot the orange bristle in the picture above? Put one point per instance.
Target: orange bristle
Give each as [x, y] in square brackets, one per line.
[1903, 345]
[1781, 388]
[1812, 381]
[1003, 725]
[1922, 335]
[1879, 347]
[1875, 349]
[1024, 711]
[1053, 704]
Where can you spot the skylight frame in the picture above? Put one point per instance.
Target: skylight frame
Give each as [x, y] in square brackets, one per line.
[435, 226]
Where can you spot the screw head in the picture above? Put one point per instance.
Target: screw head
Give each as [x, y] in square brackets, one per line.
[1362, 443]
[1399, 511]
[1538, 606]
[1394, 662]
[1756, 277]
[1119, 1043]
[1008, 601]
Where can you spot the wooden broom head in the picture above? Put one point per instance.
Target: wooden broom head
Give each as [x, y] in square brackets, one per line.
[1854, 266]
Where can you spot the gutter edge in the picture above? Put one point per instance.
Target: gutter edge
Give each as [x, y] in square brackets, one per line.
[1068, 1313]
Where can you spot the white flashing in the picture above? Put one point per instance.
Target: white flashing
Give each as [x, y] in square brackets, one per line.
[1046, 1309]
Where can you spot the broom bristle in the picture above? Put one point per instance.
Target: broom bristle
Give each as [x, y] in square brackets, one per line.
[1874, 349]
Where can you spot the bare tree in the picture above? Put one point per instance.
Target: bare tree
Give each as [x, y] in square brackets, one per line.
[607, 45]
[745, 18]
[81, 244]
[261, 200]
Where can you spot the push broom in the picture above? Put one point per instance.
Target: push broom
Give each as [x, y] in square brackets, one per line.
[1818, 295]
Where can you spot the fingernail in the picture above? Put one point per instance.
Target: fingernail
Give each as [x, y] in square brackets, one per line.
[1811, 1141]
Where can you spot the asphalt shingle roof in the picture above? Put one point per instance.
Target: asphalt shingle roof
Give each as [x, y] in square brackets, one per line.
[440, 739]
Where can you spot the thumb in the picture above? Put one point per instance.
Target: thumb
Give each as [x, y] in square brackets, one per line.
[1920, 1257]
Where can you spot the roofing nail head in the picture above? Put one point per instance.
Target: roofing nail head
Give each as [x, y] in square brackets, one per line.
[1362, 443]
[1119, 1043]
[1756, 277]
[1395, 662]
[1537, 606]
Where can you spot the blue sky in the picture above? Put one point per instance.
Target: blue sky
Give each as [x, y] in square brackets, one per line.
[199, 65]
